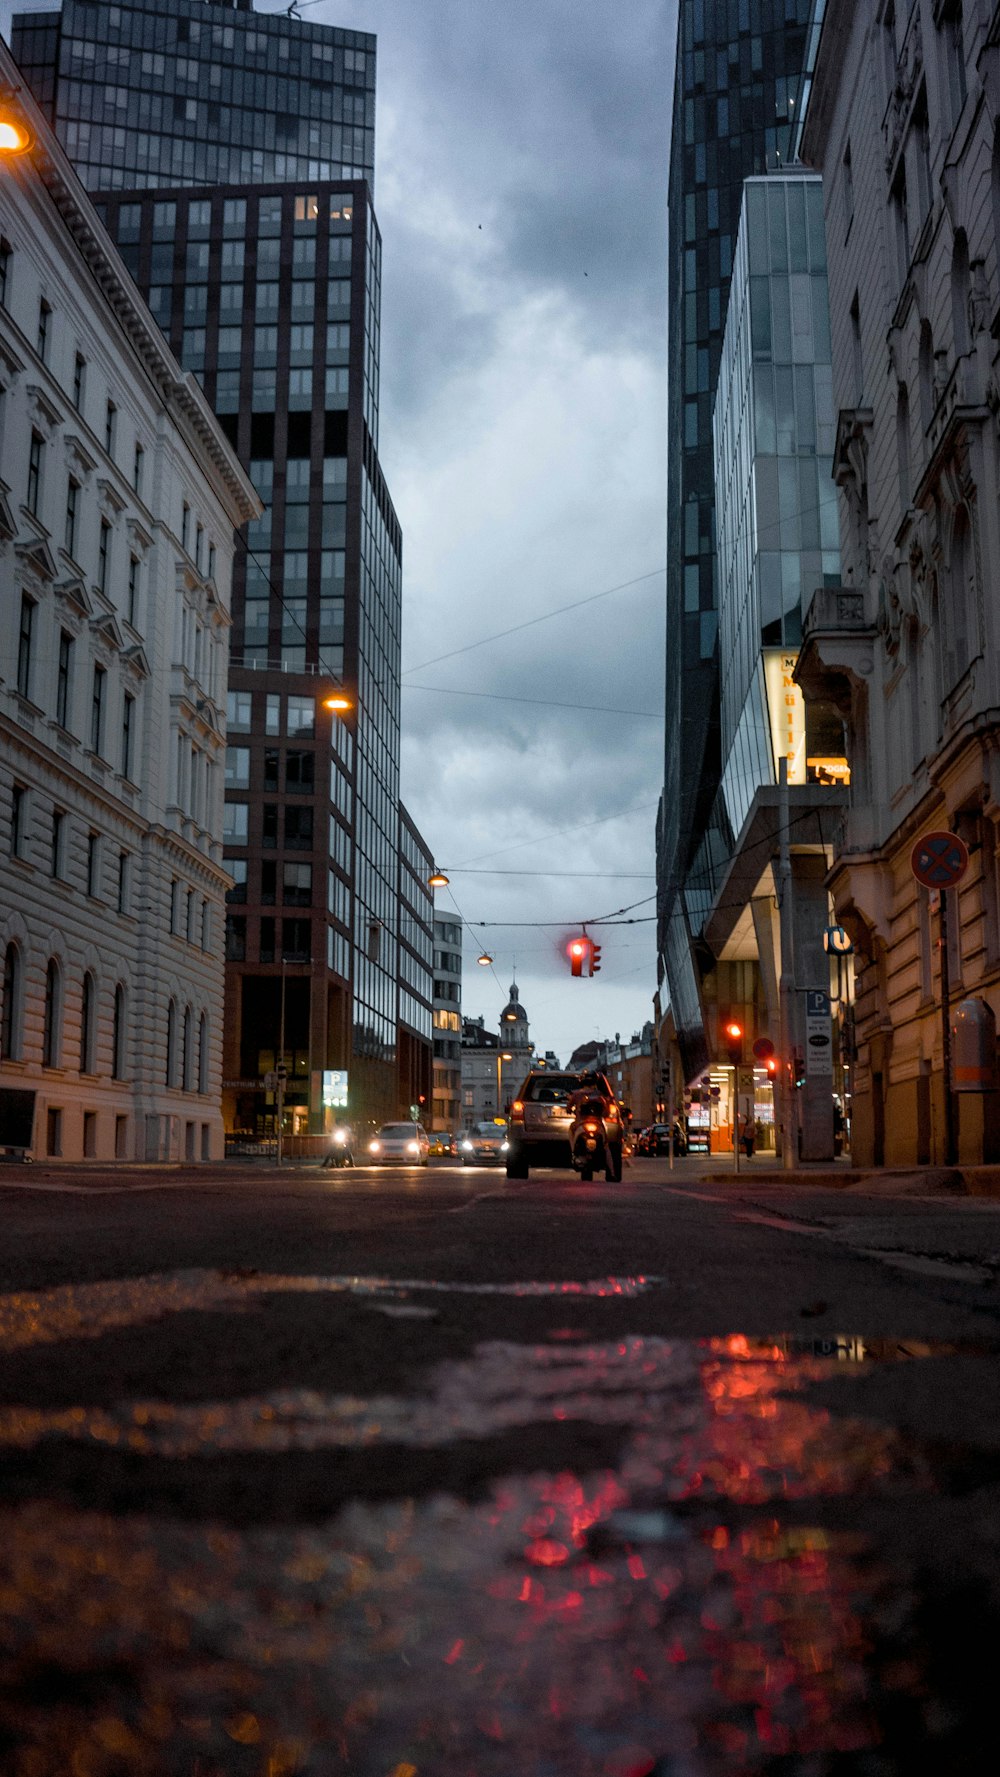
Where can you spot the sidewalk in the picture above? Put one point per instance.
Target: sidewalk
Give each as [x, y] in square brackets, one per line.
[840, 1175]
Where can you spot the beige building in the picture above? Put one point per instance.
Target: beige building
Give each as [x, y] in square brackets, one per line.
[118, 500]
[904, 125]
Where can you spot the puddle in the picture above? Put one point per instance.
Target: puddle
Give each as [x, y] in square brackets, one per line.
[618, 1622]
[89, 1310]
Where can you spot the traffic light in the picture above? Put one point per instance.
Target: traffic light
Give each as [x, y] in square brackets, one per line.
[595, 958]
[578, 950]
[734, 1043]
[799, 1068]
[773, 1066]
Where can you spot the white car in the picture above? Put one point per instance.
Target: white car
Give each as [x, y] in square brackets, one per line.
[486, 1141]
[400, 1142]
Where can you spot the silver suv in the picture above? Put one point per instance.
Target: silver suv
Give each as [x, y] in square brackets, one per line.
[540, 1119]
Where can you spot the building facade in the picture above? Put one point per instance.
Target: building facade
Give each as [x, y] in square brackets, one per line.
[494, 1063]
[236, 178]
[447, 1101]
[119, 496]
[904, 124]
[777, 542]
[738, 81]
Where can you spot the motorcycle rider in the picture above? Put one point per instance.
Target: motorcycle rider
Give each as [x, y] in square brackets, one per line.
[594, 1100]
[341, 1149]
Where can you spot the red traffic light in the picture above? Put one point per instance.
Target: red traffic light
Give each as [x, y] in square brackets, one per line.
[578, 951]
[773, 1065]
[734, 1042]
[734, 1032]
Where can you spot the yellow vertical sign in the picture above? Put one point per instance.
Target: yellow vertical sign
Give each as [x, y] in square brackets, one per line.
[787, 711]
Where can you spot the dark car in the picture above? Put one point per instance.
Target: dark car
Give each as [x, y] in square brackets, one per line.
[540, 1118]
[658, 1139]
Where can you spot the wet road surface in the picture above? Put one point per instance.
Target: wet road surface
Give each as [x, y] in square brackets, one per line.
[425, 1475]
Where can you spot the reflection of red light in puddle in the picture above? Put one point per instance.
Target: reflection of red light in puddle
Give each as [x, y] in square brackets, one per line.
[544, 1552]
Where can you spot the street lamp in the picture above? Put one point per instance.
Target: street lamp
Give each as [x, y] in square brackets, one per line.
[502, 1056]
[438, 880]
[15, 136]
[339, 702]
[485, 960]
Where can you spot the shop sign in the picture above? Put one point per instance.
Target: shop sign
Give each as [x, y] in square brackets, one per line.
[787, 711]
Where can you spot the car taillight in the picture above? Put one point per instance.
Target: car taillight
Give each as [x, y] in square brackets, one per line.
[517, 1108]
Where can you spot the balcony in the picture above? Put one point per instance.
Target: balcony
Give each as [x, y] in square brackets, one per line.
[837, 658]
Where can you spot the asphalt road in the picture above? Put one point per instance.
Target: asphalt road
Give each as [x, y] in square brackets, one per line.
[421, 1474]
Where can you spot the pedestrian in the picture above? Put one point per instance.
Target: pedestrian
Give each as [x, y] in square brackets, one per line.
[747, 1134]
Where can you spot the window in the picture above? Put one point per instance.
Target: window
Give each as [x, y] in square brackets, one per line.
[93, 865]
[171, 1068]
[103, 555]
[203, 1054]
[297, 885]
[199, 538]
[72, 507]
[24, 645]
[299, 829]
[186, 1050]
[44, 317]
[58, 837]
[64, 675]
[50, 1022]
[79, 378]
[35, 450]
[6, 255]
[299, 772]
[211, 561]
[137, 467]
[133, 588]
[123, 881]
[237, 868]
[189, 917]
[859, 373]
[97, 709]
[88, 1021]
[18, 820]
[10, 1012]
[954, 53]
[110, 427]
[237, 768]
[236, 938]
[128, 730]
[185, 524]
[235, 823]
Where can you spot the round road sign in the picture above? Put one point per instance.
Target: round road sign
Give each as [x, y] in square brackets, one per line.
[939, 860]
[763, 1048]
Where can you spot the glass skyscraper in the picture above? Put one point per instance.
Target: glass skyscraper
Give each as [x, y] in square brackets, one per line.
[231, 156]
[739, 78]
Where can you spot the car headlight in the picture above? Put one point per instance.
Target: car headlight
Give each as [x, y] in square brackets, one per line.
[504, 1145]
[374, 1147]
[467, 1147]
[413, 1147]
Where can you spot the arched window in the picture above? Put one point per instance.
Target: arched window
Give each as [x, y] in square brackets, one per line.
[960, 284]
[926, 364]
[118, 1035]
[203, 1054]
[10, 1029]
[186, 1051]
[88, 1025]
[171, 1043]
[53, 1013]
[903, 445]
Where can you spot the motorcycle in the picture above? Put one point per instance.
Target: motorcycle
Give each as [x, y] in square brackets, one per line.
[592, 1147]
[340, 1152]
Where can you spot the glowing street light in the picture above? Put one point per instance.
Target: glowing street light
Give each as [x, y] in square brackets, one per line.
[339, 701]
[15, 136]
[485, 960]
[438, 880]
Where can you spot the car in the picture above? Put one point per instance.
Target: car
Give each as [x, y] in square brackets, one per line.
[440, 1142]
[540, 1118]
[658, 1139]
[484, 1141]
[406, 1142]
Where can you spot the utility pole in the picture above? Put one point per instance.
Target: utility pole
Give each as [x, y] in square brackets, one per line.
[786, 979]
[281, 1070]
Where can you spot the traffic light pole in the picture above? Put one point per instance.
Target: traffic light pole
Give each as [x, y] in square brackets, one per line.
[950, 1136]
[786, 980]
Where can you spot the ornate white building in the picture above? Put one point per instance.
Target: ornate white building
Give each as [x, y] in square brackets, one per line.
[904, 124]
[118, 501]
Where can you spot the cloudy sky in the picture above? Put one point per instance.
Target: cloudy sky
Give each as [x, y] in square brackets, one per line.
[521, 175]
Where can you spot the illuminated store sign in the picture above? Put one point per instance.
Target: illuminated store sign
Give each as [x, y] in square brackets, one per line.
[787, 710]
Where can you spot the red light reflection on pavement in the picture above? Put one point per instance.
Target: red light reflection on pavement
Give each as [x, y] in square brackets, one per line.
[593, 1622]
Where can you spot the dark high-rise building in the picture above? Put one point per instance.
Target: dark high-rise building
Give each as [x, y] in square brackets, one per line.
[740, 73]
[231, 156]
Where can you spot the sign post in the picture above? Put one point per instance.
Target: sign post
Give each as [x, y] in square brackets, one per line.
[939, 861]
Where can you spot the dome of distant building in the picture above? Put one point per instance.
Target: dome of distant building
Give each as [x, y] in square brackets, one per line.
[514, 1021]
